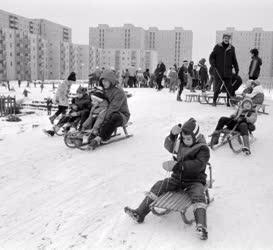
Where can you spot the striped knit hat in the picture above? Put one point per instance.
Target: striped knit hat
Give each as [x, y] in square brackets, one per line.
[191, 127]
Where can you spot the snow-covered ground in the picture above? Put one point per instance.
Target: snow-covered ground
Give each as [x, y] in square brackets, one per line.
[53, 197]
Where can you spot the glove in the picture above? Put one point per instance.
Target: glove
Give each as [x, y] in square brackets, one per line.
[176, 130]
[169, 165]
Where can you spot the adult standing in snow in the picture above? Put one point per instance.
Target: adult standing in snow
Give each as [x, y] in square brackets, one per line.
[255, 65]
[182, 76]
[159, 73]
[62, 96]
[117, 113]
[223, 59]
[203, 74]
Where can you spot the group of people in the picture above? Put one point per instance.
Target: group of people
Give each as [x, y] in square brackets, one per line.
[192, 155]
[100, 113]
[106, 109]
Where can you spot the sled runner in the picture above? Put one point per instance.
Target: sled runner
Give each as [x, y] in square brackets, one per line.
[81, 140]
[179, 201]
[232, 137]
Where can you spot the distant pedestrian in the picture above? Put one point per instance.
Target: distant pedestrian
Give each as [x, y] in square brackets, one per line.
[182, 76]
[49, 103]
[203, 74]
[255, 65]
[159, 73]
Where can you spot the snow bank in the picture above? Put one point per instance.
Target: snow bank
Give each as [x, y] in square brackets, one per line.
[53, 197]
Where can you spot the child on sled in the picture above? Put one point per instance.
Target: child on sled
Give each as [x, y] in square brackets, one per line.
[79, 110]
[243, 121]
[96, 116]
[188, 173]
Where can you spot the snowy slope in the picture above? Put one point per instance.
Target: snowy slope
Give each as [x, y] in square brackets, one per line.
[53, 197]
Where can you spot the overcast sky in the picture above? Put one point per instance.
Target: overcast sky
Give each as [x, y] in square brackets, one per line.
[203, 17]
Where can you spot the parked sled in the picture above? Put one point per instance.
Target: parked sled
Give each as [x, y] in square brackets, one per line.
[179, 201]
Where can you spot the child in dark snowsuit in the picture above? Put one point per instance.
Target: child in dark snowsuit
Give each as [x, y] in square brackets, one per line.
[187, 173]
[243, 121]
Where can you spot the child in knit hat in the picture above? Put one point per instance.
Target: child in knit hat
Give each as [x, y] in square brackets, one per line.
[97, 112]
[243, 121]
[188, 173]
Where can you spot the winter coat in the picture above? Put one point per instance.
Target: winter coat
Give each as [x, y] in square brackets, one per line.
[190, 69]
[99, 112]
[117, 103]
[191, 161]
[160, 70]
[62, 94]
[195, 75]
[224, 60]
[203, 73]
[249, 116]
[173, 75]
[256, 95]
[83, 104]
[182, 75]
[254, 67]
[236, 82]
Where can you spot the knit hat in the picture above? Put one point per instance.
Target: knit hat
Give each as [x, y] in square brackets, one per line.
[202, 61]
[81, 90]
[191, 127]
[98, 95]
[227, 35]
[72, 77]
[110, 76]
[245, 100]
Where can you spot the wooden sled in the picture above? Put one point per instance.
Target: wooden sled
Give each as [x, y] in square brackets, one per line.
[179, 201]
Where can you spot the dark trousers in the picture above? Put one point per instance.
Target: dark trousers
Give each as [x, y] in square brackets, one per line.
[66, 119]
[158, 82]
[203, 83]
[230, 123]
[219, 86]
[180, 89]
[61, 110]
[84, 116]
[195, 190]
[109, 126]
[49, 110]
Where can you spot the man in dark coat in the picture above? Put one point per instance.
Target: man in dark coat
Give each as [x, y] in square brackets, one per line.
[255, 65]
[159, 73]
[223, 60]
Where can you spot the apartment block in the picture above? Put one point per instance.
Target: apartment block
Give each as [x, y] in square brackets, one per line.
[172, 46]
[79, 60]
[33, 49]
[244, 41]
[121, 59]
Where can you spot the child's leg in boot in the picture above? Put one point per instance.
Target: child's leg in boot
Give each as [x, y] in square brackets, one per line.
[197, 195]
[243, 128]
[159, 188]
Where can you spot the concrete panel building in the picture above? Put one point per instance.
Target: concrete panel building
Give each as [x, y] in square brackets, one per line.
[121, 59]
[172, 46]
[244, 41]
[79, 60]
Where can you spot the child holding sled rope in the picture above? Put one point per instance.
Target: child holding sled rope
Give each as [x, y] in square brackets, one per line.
[188, 173]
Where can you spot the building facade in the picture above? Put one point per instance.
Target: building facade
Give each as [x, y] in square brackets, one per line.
[121, 59]
[32, 49]
[172, 46]
[244, 41]
[79, 60]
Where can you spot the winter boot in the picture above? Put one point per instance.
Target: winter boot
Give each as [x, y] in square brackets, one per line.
[52, 118]
[246, 148]
[49, 132]
[214, 138]
[139, 214]
[200, 216]
[94, 143]
[178, 98]
[214, 104]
